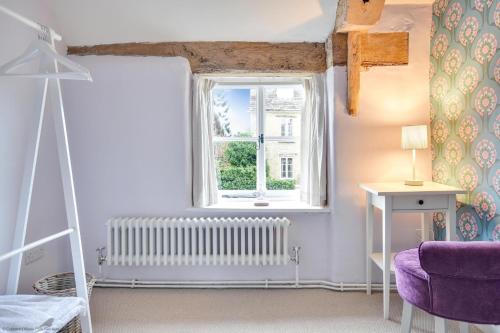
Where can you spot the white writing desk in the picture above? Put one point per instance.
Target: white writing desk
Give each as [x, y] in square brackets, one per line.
[398, 197]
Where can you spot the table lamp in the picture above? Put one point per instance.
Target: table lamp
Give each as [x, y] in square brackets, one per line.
[414, 137]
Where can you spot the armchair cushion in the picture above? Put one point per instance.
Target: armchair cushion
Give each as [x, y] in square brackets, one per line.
[412, 280]
[454, 280]
[473, 260]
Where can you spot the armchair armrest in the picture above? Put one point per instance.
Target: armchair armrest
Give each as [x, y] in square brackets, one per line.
[474, 260]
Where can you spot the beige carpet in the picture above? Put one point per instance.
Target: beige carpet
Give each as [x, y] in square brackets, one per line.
[252, 311]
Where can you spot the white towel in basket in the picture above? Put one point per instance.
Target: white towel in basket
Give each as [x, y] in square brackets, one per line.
[37, 313]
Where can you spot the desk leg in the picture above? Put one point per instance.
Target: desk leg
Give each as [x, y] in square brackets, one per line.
[369, 242]
[451, 219]
[425, 227]
[386, 227]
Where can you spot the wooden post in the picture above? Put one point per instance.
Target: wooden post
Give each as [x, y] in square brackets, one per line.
[360, 49]
[353, 70]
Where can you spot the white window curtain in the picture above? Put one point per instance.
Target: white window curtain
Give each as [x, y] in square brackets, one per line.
[313, 142]
[204, 173]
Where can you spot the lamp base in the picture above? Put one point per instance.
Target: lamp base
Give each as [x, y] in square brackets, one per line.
[414, 182]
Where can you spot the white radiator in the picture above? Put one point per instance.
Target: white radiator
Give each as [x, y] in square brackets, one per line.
[140, 241]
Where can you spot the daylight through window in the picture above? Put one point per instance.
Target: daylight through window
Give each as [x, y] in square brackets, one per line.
[257, 139]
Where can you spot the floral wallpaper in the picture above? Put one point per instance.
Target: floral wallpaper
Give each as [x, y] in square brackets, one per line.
[465, 117]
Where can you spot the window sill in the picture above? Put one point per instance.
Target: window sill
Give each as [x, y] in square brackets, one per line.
[274, 207]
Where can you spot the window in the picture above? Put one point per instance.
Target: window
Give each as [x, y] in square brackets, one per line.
[286, 167]
[256, 128]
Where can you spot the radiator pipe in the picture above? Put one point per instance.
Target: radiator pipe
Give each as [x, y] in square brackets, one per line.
[295, 258]
[264, 284]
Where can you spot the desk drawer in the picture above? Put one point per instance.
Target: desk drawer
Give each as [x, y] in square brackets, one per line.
[419, 202]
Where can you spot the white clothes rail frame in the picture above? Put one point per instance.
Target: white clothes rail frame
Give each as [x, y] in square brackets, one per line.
[51, 87]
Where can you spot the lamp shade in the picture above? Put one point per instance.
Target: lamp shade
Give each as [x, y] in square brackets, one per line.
[414, 137]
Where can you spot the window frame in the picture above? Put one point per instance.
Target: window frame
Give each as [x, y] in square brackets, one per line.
[259, 84]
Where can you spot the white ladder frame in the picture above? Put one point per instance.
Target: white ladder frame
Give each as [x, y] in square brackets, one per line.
[51, 89]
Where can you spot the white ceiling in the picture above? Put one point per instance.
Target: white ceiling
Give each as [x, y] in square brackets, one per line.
[85, 22]
[89, 22]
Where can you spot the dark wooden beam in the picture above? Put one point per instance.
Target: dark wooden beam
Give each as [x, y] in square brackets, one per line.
[225, 57]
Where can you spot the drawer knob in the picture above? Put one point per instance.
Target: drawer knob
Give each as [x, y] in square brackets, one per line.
[420, 202]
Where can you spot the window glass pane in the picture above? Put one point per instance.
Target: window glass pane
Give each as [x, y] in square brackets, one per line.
[236, 164]
[234, 112]
[235, 124]
[282, 173]
[283, 107]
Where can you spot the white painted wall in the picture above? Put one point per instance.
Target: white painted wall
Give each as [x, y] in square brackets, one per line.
[19, 99]
[129, 132]
[129, 138]
[367, 147]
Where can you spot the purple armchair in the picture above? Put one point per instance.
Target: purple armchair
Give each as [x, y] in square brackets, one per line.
[450, 280]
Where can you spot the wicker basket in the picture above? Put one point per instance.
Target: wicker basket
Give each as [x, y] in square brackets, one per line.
[62, 285]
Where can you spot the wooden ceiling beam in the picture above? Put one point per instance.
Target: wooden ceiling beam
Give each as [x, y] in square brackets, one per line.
[336, 50]
[225, 57]
[379, 49]
[350, 45]
[357, 15]
[385, 49]
[360, 49]
[354, 18]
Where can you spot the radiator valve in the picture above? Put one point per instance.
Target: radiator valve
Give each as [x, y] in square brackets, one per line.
[101, 255]
[295, 257]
